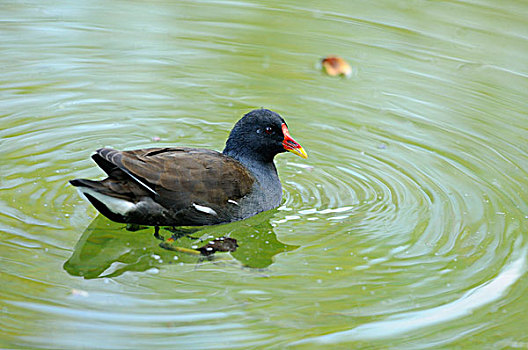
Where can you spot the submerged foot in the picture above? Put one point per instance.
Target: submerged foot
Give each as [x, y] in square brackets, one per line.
[157, 235]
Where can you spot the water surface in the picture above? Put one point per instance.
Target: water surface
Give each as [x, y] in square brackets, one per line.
[406, 227]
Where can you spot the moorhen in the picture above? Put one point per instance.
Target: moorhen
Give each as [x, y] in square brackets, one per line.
[182, 186]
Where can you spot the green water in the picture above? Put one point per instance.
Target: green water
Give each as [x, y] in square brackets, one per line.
[406, 228]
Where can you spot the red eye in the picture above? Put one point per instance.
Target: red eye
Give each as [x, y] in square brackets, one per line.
[269, 130]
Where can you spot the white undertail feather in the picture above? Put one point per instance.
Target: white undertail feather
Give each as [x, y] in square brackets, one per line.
[115, 205]
[204, 209]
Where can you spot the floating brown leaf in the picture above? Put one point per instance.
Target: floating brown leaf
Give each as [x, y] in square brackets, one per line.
[335, 65]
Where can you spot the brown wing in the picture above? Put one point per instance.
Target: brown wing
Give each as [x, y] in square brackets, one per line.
[179, 177]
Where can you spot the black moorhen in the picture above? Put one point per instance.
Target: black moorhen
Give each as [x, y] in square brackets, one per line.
[184, 186]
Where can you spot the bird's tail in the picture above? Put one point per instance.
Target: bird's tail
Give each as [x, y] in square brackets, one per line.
[112, 205]
[95, 185]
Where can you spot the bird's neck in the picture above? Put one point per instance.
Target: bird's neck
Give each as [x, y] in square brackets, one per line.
[267, 183]
[263, 169]
[266, 176]
[246, 155]
[250, 161]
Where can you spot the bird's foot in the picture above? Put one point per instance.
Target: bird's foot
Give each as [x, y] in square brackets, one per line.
[169, 245]
[157, 235]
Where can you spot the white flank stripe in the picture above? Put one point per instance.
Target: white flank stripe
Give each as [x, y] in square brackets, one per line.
[115, 205]
[204, 209]
[232, 201]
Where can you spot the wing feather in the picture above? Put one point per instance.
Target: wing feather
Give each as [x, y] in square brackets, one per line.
[182, 176]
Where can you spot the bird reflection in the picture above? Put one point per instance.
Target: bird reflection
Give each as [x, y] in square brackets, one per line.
[108, 249]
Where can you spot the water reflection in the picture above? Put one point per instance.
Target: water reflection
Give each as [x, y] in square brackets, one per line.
[108, 249]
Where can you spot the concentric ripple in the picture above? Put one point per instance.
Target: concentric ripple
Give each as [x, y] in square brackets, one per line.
[407, 226]
[436, 220]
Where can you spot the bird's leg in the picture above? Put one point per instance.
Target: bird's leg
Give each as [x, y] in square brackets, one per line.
[156, 233]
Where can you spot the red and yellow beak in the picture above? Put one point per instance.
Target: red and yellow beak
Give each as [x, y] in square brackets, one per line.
[291, 145]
